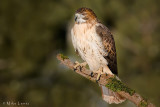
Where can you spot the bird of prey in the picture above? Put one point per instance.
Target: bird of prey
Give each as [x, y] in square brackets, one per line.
[95, 44]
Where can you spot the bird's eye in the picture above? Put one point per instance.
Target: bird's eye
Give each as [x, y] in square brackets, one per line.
[85, 18]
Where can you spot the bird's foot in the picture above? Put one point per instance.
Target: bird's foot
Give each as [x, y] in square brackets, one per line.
[81, 65]
[99, 72]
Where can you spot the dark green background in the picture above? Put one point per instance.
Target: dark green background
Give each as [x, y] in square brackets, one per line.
[32, 32]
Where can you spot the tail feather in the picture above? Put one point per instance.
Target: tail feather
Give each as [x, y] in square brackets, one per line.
[111, 97]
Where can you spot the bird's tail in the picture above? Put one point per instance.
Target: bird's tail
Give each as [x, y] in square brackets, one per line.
[111, 97]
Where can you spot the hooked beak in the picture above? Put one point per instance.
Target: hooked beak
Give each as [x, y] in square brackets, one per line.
[75, 18]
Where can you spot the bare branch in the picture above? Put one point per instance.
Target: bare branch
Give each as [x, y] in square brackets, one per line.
[110, 82]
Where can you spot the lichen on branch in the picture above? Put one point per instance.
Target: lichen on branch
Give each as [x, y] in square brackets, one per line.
[116, 85]
[143, 103]
[63, 57]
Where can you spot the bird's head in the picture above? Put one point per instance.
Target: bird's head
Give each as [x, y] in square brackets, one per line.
[85, 15]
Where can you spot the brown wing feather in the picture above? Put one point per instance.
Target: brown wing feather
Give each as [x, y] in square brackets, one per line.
[109, 45]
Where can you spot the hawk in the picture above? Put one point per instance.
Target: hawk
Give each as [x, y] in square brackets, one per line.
[95, 44]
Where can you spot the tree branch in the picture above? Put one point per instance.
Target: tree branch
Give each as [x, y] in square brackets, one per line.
[109, 81]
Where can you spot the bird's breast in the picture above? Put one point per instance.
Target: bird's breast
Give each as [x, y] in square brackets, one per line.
[89, 45]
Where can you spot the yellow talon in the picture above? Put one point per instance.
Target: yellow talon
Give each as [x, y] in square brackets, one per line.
[77, 64]
[99, 72]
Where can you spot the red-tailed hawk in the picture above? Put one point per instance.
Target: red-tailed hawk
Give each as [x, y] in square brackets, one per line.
[95, 44]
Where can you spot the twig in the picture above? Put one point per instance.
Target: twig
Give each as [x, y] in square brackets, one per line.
[110, 82]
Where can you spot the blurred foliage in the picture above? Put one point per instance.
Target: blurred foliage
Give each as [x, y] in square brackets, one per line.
[32, 32]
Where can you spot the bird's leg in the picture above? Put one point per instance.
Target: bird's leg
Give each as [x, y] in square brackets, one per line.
[99, 72]
[77, 64]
